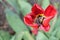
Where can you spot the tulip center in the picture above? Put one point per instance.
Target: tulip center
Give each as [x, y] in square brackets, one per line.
[39, 19]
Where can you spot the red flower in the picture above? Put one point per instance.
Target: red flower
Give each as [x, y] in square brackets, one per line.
[39, 18]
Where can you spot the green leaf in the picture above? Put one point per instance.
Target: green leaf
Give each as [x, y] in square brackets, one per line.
[57, 27]
[13, 38]
[4, 35]
[58, 33]
[1, 38]
[41, 36]
[52, 23]
[45, 3]
[27, 36]
[25, 7]
[19, 36]
[14, 21]
[14, 4]
[23, 35]
[53, 38]
[39, 2]
[54, 32]
[0, 0]
[22, 0]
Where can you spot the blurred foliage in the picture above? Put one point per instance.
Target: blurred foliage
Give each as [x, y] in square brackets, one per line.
[41, 36]
[22, 31]
[0, 0]
[45, 3]
[4, 35]
[23, 35]
[14, 4]
[25, 7]
[15, 21]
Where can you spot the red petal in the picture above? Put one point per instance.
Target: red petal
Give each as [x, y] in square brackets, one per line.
[36, 9]
[35, 31]
[50, 11]
[29, 20]
[32, 15]
[34, 25]
[44, 28]
[46, 21]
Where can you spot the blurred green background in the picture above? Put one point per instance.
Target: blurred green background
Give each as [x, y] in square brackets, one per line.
[12, 26]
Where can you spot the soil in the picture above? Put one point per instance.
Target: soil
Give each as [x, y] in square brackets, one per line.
[3, 22]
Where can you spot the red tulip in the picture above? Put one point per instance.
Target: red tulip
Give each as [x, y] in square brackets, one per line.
[39, 18]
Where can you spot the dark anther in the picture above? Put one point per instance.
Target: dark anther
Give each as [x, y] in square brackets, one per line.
[39, 20]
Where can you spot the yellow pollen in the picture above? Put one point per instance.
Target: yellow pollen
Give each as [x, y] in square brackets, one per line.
[42, 15]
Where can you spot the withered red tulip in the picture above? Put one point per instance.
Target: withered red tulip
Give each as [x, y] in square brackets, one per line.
[39, 18]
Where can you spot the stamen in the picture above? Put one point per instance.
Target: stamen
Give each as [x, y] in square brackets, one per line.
[39, 19]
